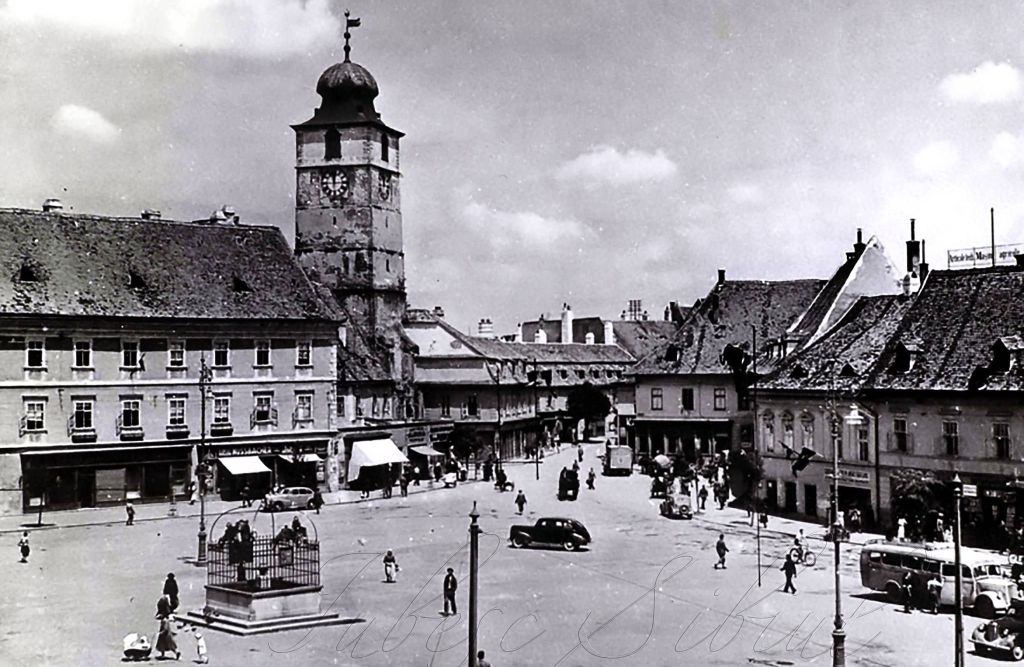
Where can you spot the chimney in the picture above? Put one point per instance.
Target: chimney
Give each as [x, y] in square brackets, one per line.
[859, 246]
[519, 332]
[150, 214]
[609, 333]
[566, 323]
[439, 312]
[485, 328]
[913, 251]
[922, 268]
[52, 204]
[540, 336]
[589, 338]
[721, 276]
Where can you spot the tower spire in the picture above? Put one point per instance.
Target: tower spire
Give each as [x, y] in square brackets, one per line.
[349, 23]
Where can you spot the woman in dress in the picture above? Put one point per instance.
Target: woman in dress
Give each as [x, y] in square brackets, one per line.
[165, 637]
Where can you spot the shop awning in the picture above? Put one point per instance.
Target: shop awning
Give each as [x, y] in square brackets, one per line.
[243, 465]
[426, 450]
[301, 458]
[367, 453]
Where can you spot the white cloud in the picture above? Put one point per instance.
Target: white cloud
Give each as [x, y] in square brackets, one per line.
[78, 121]
[508, 228]
[277, 28]
[746, 193]
[988, 83]
[605, 164]
[1007, 150]
[936, 158]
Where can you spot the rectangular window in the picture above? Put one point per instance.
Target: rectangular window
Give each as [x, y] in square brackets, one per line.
[176, 354]
[446, 406]
[951, 438]
[263, 353]
[35, 354]
[34, 412]
[687, 399]
[657, 399]
[130, 354]
[263, 407]
[303, 406]
[82, 417]
[221, 354]
[221, 409]
[385, 144]
[863, 449]
[83, 354]
[471, 406]
[130, 408]
[720, 403]
[304, 353]
[899, 434]
[743, 401]
[176, 411]
[787, 433]
[1001, 437]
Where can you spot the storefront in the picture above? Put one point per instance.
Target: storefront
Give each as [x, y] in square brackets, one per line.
[690, 438]
[71, 479]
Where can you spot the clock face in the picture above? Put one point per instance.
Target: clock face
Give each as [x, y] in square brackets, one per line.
[334, 183]
[384, 185]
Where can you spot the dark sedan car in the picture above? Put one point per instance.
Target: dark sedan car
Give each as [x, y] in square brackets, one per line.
[1003, 635]
[569, 534]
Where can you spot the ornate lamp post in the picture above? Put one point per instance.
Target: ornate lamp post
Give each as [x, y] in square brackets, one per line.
[203, 469]
[958, 627]
[474, 532]
[838, 633]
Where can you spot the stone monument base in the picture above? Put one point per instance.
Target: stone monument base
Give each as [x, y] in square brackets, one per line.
[240, 611]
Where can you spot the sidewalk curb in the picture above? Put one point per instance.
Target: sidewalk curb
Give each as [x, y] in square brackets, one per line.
[138, 520]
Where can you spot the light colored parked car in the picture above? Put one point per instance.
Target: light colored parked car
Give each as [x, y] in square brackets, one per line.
[289, 498]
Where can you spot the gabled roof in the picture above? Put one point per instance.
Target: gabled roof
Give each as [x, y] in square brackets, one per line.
[57, 263]
[726, 316]
[951, 328]
[845, 357]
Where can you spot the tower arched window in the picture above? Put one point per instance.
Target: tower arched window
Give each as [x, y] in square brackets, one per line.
[332, 144]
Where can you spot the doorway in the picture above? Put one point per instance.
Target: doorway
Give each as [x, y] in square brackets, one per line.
[790, 497]
[810, 499]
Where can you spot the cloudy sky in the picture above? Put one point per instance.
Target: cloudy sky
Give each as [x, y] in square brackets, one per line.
[588, 152]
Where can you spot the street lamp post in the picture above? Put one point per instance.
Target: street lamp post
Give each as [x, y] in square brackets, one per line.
[474, 532]
[838, 633]
[958, 626]
[205, 376]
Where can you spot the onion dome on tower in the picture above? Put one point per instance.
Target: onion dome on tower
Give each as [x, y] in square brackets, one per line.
[347, 89]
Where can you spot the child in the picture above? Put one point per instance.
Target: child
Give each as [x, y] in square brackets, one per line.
[23, 544]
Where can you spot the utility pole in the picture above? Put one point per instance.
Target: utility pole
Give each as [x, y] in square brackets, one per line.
[474, 532]
[838, 634]
[536, 414]
[958, 627]
[205, 376]
[757, 456]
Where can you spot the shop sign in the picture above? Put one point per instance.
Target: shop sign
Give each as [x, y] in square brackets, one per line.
[854, 477]
[970, 490]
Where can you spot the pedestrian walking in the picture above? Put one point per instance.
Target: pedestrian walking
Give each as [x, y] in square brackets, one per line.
[789, 569]
[391, 568]
[24, 546]
[935, 593]
[907, 586]
[130, 511]
[591, 476]
[480, 662]
[165, 638]
[438, 472]
[317, 501]
[521, 501]
[202, 657]
[703, 496]
[721, 549]
[940, 530]
[579, 453]
[901, 529]
[245, 496]
[416, 476]
[403, 483]
[193, 493]
[171, 590]
[451, 584]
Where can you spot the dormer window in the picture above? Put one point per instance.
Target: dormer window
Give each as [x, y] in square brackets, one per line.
[332, 144]
[135, 281]
[798, 372]
[27, 274]
[239, 285]
[848, 371]
[906, 356]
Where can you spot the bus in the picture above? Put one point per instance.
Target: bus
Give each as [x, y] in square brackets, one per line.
[985, 586]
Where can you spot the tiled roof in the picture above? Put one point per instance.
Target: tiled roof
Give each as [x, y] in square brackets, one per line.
[845, 356]
[56, 263]
[641, 337]
[819, 308]
[549, 352]
[950, 330]
[726, 316]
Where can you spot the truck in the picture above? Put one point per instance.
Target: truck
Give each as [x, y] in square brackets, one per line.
[618, 459]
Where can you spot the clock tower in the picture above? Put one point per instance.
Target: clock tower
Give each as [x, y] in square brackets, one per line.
[348, 215]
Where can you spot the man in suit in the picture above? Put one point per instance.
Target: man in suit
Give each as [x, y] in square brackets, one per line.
[451, 584]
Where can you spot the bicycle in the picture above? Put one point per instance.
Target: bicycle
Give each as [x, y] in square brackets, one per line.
[802, 556]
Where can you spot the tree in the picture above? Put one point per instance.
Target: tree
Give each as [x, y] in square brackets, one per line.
[746, 470]
[587, 402]
[915, 493]
[463, 443]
